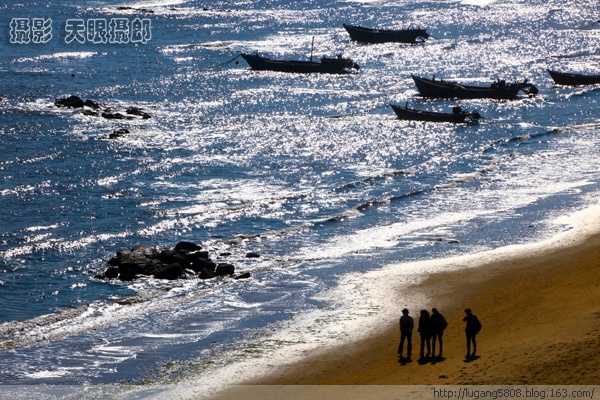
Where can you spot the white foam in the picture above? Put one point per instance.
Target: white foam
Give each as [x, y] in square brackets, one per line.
[56, 56]
[478, 2]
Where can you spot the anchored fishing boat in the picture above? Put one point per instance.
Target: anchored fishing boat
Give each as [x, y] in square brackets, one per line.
[499, 89]
[370, 35]
[562, 78]
[457, 116]
[337, 65]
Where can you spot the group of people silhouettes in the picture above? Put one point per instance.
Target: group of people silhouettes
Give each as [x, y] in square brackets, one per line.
[431, 330]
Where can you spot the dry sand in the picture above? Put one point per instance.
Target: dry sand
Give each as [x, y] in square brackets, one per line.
[541, 326]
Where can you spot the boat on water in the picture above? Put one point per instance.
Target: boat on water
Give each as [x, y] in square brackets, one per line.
[562, 78]
[326, 65]
[370, 35]
[499, 89]
[457, 116]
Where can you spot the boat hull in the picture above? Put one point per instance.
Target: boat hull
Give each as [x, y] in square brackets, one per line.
[409, 114]
[561, 78]
[327, 65]
[449, 90]
[368, 35]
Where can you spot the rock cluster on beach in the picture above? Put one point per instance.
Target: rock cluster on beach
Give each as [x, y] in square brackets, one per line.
[177, 263]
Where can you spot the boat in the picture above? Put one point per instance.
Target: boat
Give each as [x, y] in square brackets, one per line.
[561, 78]
[457, 116]
[369, 35]
[497, 90]
[337, 65]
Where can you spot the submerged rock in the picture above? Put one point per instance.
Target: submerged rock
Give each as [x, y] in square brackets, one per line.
[137, 111]
[224, 269]
[111, 115]
[70, 102]
[118, 133]
[95, 109]
[245, 275]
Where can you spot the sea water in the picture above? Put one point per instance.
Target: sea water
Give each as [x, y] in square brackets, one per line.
[312, 172]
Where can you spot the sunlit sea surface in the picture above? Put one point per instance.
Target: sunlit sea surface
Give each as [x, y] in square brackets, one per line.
[312, 172]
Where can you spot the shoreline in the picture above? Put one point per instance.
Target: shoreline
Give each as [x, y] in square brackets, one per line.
[539, 305]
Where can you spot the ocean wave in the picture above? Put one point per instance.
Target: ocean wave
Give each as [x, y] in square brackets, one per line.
[99, 315]
[57, 56]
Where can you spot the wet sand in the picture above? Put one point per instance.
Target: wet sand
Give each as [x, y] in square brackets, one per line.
[541, 326]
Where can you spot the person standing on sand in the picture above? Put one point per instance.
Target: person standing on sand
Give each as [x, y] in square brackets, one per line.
[472, 329]
[425, 332]
[407, 324]
[438, 325]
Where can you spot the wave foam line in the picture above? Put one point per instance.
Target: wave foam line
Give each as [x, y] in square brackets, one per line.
[53, 327]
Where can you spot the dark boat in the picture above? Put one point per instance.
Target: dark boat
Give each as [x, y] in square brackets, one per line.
[561, 78]
[457, 116]
[327, 65]
[497, 90]
[369, 35]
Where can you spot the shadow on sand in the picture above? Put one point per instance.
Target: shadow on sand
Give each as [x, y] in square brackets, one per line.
[431, 360]
[404, 360]
[471, 358]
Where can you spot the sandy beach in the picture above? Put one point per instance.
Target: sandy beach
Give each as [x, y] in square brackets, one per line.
[541, 326]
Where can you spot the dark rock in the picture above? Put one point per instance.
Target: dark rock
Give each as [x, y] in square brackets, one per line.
[166, 271]
[224, 269]
[137, 111]
[118, 133]
[130, 264]
[69, 102]
[245, 275]
[91, 104]
[198, 255]
[113, 262]
[90, 113]
[174, 257]
[111, 273]
[252, 255]
[142, 10]
[200, 264]
[187, 246]
[109, 115]
[225, 254]
[143, 250]
[128, 272]
[207, 273]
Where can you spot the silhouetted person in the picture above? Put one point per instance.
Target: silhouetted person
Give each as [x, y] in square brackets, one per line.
[407, 324]
[472, 329]
[438, 325]
[425, 332]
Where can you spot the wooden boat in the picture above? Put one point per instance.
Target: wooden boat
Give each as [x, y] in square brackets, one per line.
[561, 78]
[457, 116]
[497, 90]
[327, 65]
[369, 35]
